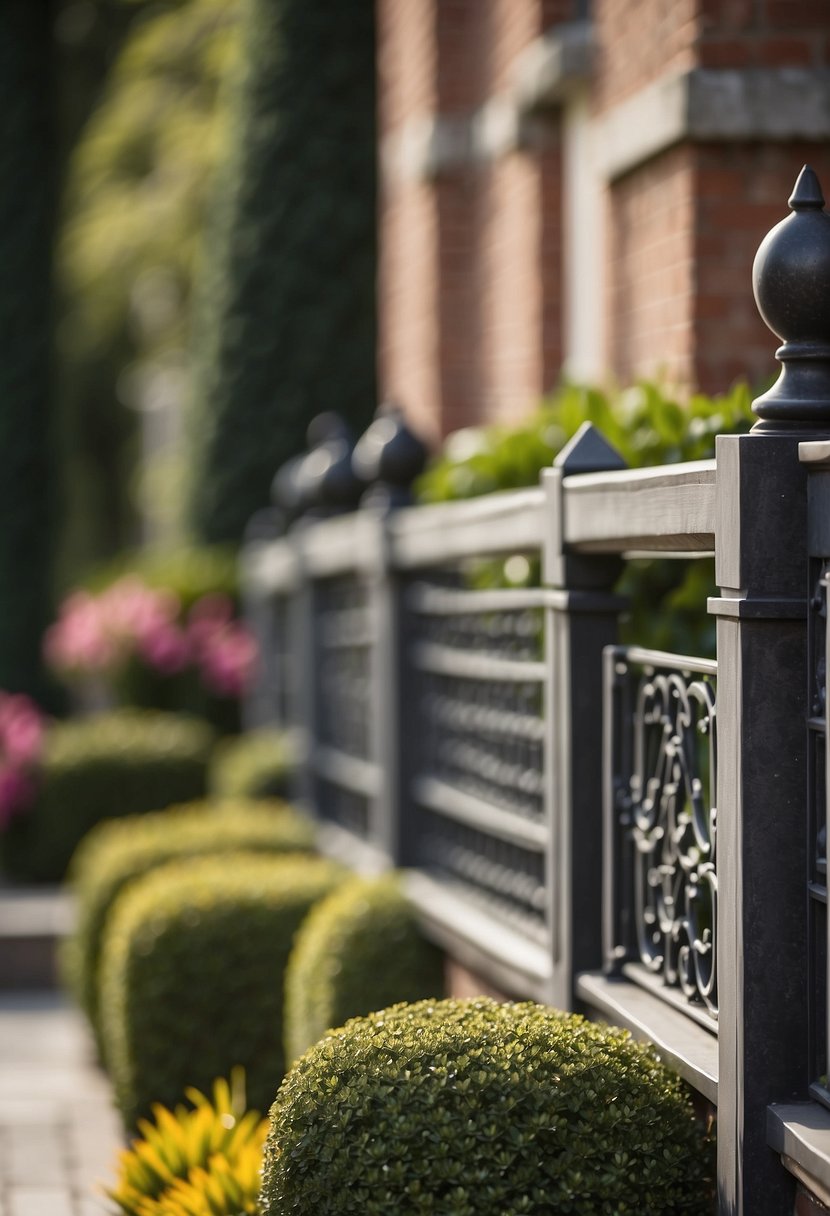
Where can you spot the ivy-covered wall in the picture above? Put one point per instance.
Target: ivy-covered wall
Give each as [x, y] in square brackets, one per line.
[27, 172]
[286, 326]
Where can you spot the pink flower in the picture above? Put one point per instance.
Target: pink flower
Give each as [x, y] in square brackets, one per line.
[21, 729]
[17, 790]
[166, 648]
[229, 662]
[78, 640]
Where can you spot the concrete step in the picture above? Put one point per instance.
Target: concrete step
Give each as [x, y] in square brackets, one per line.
[33, 921]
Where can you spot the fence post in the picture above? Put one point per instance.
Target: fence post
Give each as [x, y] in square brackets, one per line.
[581, 621]
[762, 573]
[388, 457]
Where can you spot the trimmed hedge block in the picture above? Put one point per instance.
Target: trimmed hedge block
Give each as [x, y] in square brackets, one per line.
[116, 853]
[258, 764]
[359, 950]
[471, 1108]
[192, 974]
[104, 767]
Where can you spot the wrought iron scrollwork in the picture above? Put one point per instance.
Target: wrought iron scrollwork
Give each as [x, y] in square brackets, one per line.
[667, 822]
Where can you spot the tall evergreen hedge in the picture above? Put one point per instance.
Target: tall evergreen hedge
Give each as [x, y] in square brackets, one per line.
[27, 163]
[286, 323]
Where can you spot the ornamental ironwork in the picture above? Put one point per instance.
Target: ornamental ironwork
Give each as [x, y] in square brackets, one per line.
[662, 822]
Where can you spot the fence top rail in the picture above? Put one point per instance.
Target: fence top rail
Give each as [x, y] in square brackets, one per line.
[670, 509]
[341, 545]
[269, 567]
[505, 522]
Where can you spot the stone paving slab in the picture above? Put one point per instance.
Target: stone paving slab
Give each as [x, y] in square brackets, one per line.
[59, 1134]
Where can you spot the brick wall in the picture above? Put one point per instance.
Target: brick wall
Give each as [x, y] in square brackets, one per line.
[739, 194]
[469, 284]
[472, 296]
[650, 270]
[684, 226]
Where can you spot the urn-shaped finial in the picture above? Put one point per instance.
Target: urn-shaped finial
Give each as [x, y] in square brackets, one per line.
[388, 457]
[791, 282]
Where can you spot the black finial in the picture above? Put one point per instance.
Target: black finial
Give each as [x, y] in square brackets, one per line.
[806, 193]
[320, 482]
[388, 457]
[791, 281]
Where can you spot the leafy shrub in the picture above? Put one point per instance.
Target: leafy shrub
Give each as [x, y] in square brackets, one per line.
[360, 949]
[644, 423]
[199, 1162]
[648, 427]
[187, 573]
[255, 765]
[471, 1108]
[116, 853]
[103, 767]
[192, 973]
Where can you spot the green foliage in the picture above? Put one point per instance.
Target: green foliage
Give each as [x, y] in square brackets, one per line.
[189, 573]
[199, 1162]
[27, 466]
[103, 767]
[285, 326]
[137, 185]
[192, 974]
[258, 764]
[647, 427]
[359, 950]
[116, 853]
[470, 1108]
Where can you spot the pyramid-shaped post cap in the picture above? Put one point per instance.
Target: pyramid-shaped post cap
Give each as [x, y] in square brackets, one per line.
[588, 451]
[791, 282]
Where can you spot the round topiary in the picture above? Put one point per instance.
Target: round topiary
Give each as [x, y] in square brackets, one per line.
[107, 766]
[192, 971]
[471, 1108]
[117, 852]
[255, 765]
[358, 950]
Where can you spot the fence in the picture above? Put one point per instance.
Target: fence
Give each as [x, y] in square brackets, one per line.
[638, 834]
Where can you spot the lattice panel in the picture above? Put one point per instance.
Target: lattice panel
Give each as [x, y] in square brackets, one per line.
[485, 738]
[480, 688]
[663, 830]
[505, 880]
[343, 639]
[347, 808]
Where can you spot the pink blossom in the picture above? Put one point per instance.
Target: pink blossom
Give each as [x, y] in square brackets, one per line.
[228, 663]
[214, 607]
[21, 729]
[78, 640]
[166, 648]
[17, 789]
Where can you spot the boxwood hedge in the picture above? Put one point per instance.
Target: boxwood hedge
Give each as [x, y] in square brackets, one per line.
[192, 974]
[103, 767]
[359, 949]
[117, 852]
[471, 1108]
[258, 764]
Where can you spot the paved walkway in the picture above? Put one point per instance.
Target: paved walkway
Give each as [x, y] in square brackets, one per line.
[58, 1132]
